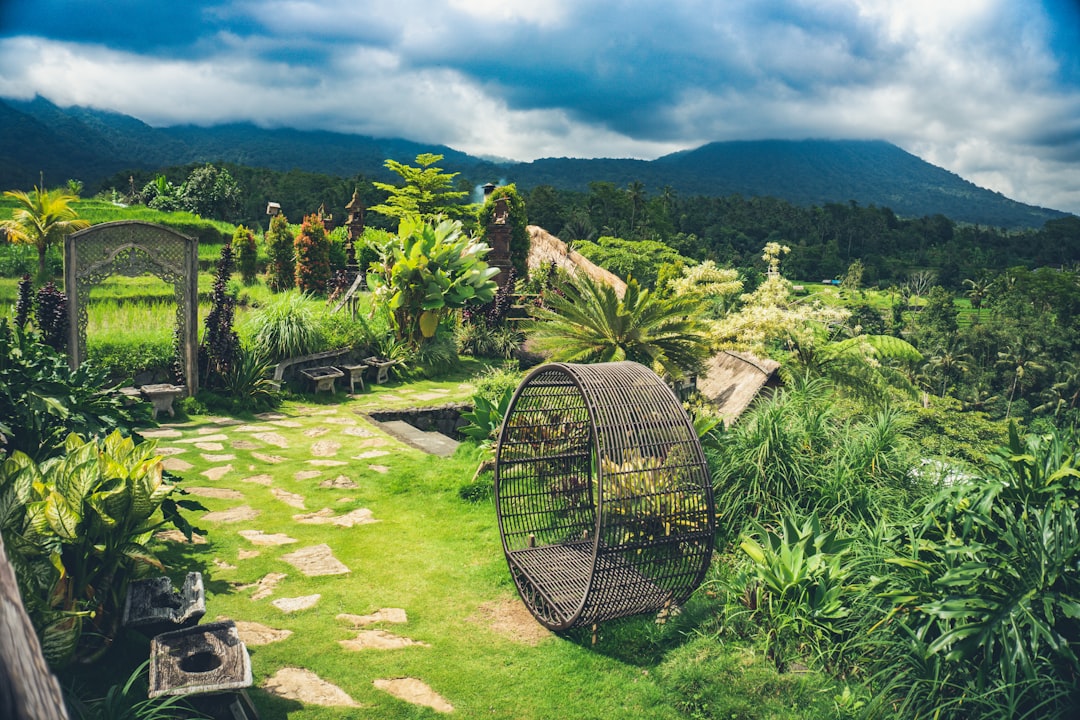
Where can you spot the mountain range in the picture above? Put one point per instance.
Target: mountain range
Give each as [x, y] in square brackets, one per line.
[38, 138]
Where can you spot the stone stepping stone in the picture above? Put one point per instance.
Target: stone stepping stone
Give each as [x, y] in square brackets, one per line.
[222, 565]
[327, 463]
[223, 420]
[272, 438]
[296, 604]
[286, 423]
[290, 499]
[216, 473]
[263, 479]
[414, 691]
[271, 416]
[307, 688]
[217, 458]
[174, 535]
[233, 514]
[326, 516]
[208, 430]
[264, 587]
[210, 446]
[369, 454]
[341, 482]
[221, 437]
[249, 428]
[341, 421]
[247, 554]
[272, 459]
[382, 615]
[357, 431]
[379, 640]
[258, 537]
[325, 448]
[433, 395]
[161, 433]
[253, 633]
[307, 474]
[167, 451]
[324, 411]
[316, 560]
[245, 445]
[173, 464]
[216, 492]
[316, 432]
[372, 442]
[379, 468]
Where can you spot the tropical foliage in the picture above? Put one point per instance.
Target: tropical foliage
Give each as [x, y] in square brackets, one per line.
[78, 527]
[42, 218]
[427, 270]
[426, 193]
[586, 321]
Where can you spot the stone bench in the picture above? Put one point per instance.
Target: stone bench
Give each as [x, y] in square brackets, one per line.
[323, 377]
[161, 396]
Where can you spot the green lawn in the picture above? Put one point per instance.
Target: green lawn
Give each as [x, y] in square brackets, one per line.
[439, 559]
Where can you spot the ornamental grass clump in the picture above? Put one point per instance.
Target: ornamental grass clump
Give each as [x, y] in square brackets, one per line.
[285, 327]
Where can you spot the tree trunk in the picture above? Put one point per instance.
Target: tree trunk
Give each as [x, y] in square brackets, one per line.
[28, 691]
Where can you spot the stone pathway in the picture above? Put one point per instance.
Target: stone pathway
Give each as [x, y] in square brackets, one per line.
[323, 439]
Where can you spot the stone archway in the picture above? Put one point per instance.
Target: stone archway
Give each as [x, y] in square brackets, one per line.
[131, 248]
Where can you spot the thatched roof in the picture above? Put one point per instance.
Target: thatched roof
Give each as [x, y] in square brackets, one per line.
[732, 380]
[546, 249]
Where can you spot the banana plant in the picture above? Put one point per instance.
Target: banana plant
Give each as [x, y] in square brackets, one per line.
[80, 527]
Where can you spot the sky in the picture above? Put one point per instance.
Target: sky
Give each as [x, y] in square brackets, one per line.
[988, 89]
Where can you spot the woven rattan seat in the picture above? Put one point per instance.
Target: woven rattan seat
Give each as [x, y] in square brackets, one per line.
[603, 496]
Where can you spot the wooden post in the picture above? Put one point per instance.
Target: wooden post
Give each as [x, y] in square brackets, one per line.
[28, 691]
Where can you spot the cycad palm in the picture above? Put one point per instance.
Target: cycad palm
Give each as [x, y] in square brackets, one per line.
[43, 219]
[589, 323]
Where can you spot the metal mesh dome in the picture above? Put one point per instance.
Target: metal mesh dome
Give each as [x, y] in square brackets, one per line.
[603, 496]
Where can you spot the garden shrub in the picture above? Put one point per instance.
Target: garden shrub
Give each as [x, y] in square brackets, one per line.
[285, 327]
[126, 359]
[50, 313]
[220, 342]
[312, 256]
[247, 254]
[280, 248]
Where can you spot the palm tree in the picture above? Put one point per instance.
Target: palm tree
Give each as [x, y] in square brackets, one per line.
[589, 323]
[979, 290]
[44, 218]
[864, 365]
[1021, 361]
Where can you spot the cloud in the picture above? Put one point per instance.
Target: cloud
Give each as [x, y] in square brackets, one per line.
[986, 88]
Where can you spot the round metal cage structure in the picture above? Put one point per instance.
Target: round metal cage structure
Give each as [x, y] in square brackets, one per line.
[603, 496]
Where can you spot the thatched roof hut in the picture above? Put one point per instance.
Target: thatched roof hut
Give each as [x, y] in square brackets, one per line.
[545, 249]
[732, 380]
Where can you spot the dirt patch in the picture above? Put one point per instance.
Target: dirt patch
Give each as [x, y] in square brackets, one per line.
[414, 691]
[217, 473]
[233, 514]
[262, 479]
[214, 492]
[296, 604]
[290, 499]
[175, 464]
[316, 560]
[510, 618]
[326, 516]
[382, 615]
[258, 537]
[341, 482]
[272, 459]
[379, 640]
[264, 587]
[253, 633]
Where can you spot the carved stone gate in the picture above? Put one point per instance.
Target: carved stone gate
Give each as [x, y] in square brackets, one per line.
[131, 248]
